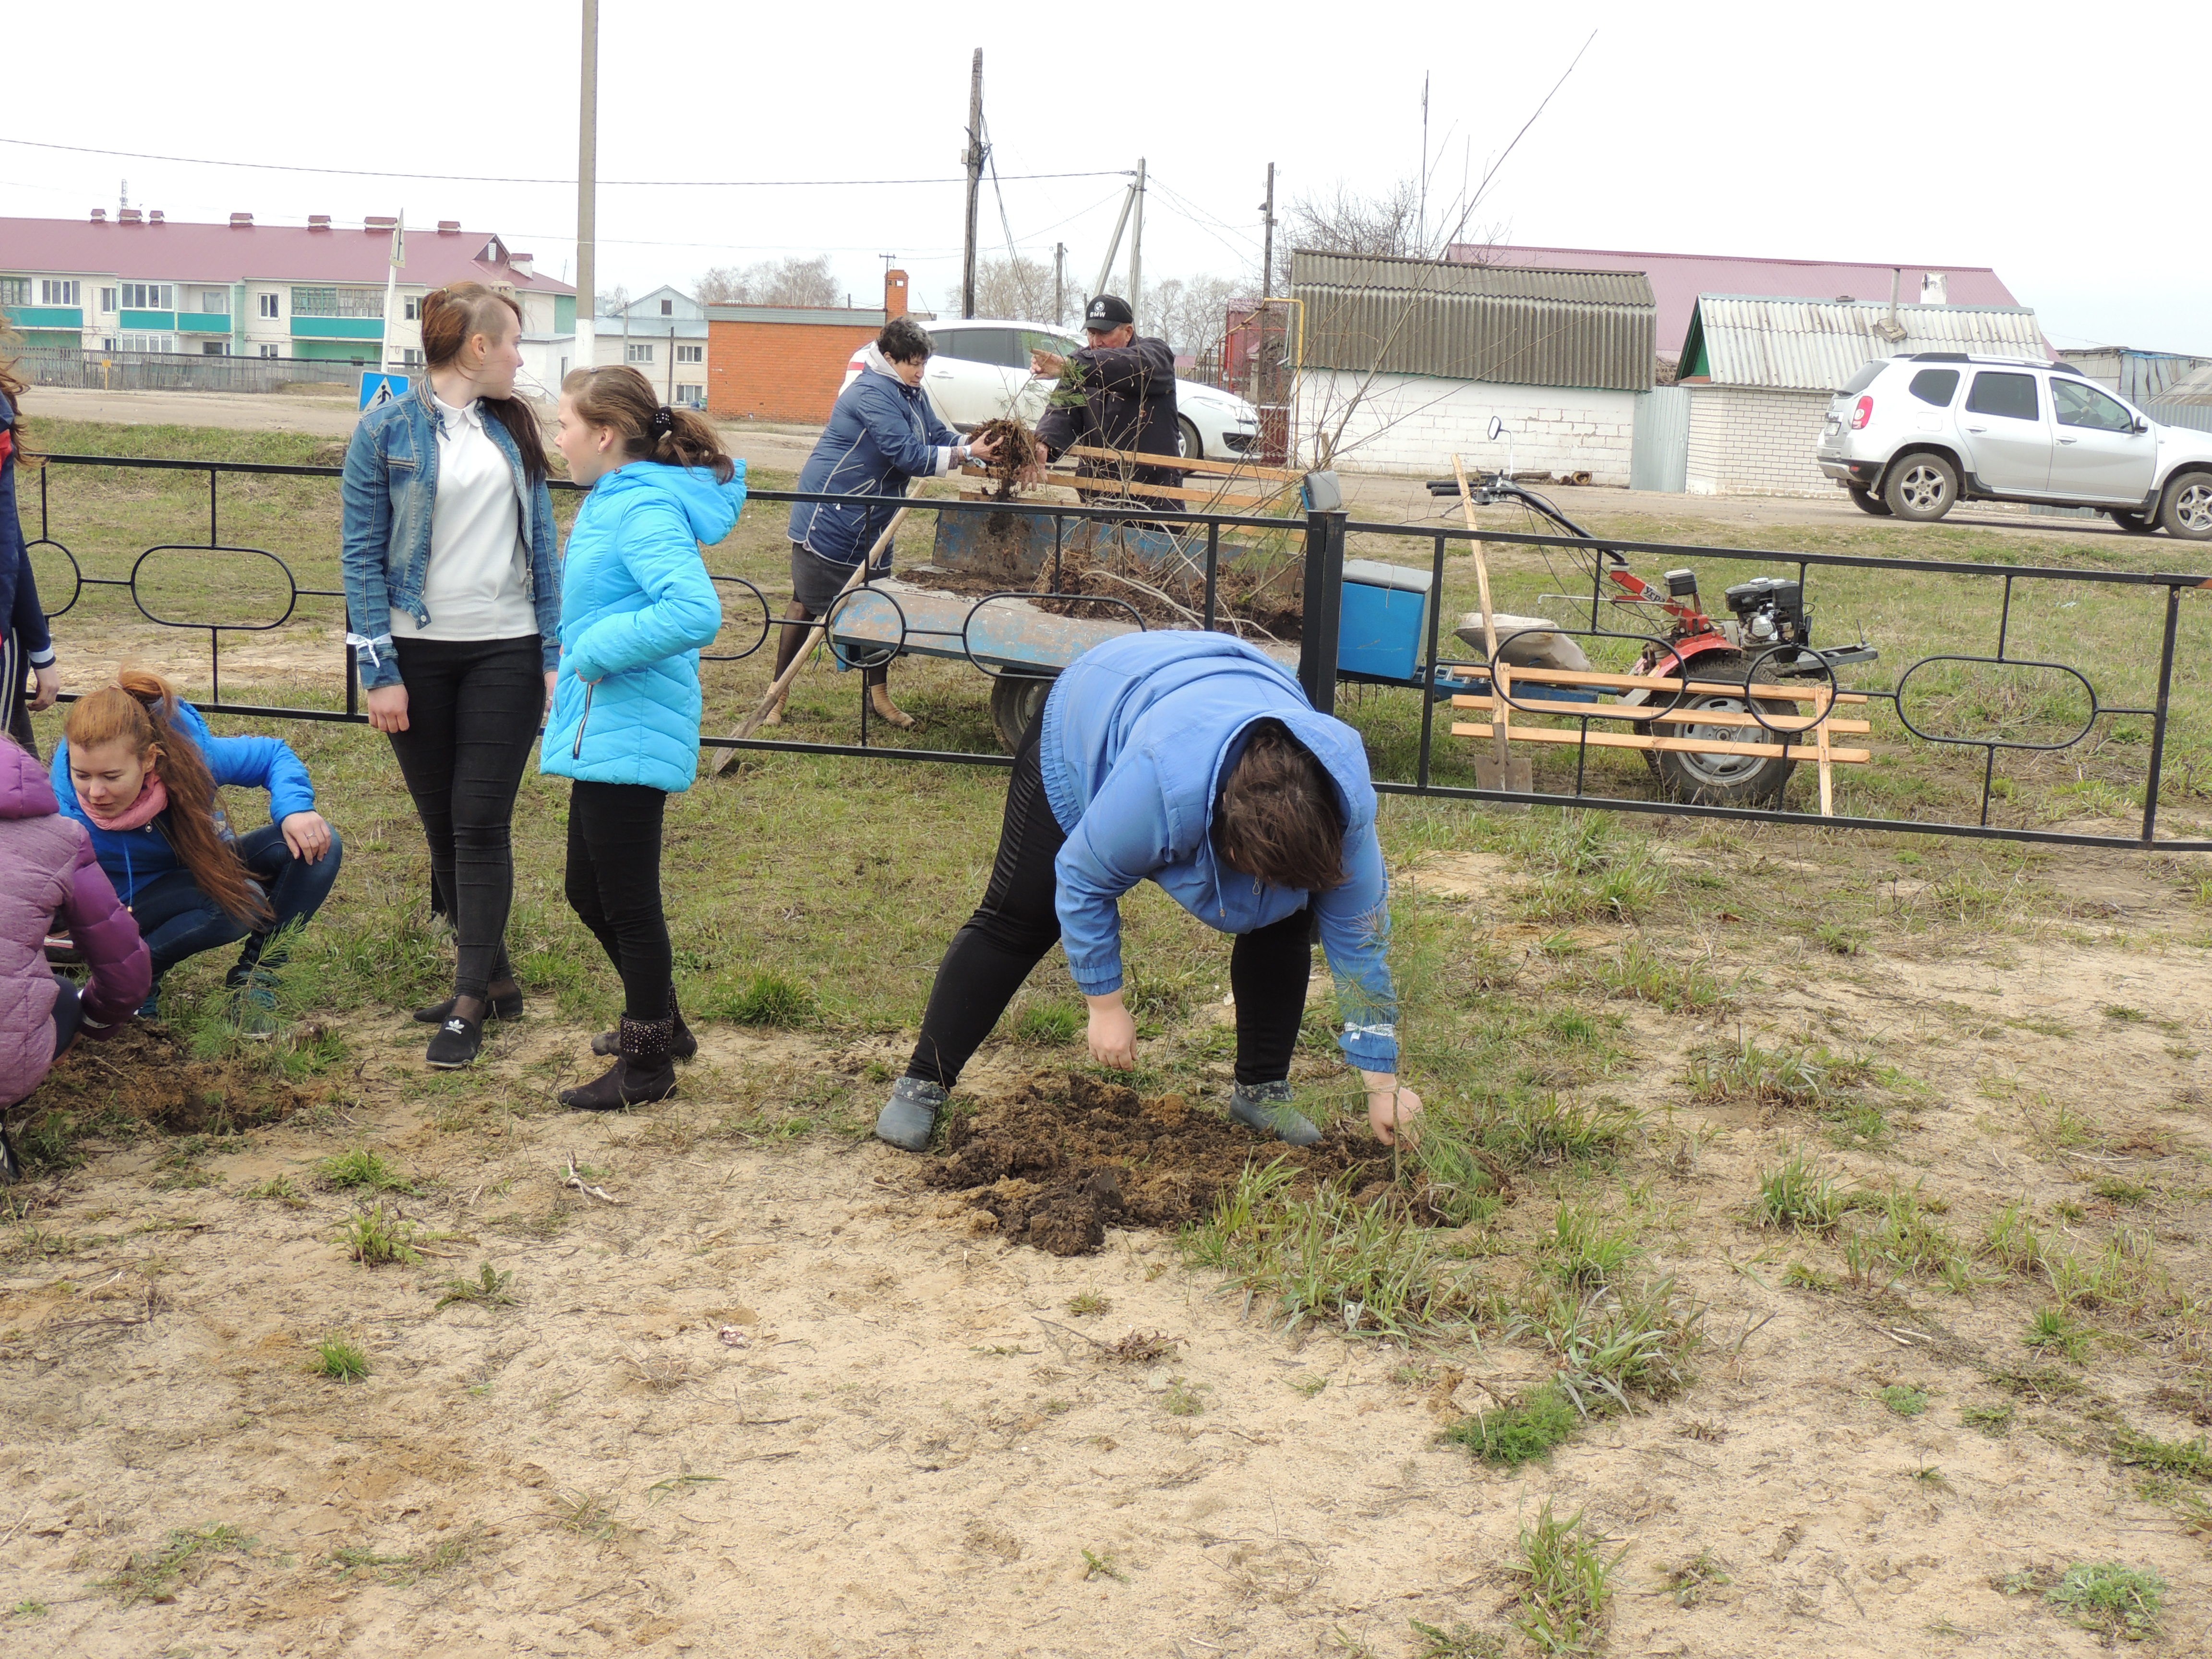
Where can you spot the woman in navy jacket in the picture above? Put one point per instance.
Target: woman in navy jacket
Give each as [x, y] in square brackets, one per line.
[24, 643]
[1193, 761]
[882, 434]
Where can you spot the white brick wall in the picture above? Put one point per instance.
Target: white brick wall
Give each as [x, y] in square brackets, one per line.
[1749, 441]
[1405, 423]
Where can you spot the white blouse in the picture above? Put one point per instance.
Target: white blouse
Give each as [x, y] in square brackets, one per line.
[477, 586]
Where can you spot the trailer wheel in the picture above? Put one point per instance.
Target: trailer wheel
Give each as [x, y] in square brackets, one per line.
[1017, 701]
[1724, 780]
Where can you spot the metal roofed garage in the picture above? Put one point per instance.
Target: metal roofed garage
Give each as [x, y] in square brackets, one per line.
[1759, 373]
[1404, 361]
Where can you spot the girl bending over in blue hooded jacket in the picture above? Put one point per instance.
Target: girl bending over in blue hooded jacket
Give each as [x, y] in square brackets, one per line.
[1192, 760]
[636, 605]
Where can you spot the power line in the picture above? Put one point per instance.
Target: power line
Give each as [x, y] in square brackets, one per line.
[487, 178]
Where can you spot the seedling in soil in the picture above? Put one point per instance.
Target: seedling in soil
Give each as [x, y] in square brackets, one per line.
[28, 1608]
[2114, 1190]
[1928, 1475]
[1186, 1399]
[1844, 941]
[356, 1558]
[2105, 1596]
[1995, 1421]
[676, 1484]
[1905, 1400]
[1084, 1303]
[2120, 1011]
[153, 1576]
[363, 1169]
[1688, 1582]
[1308, 1386]
[1563, 1606]
[1522, 1431]
[488, 1288]
[587, 1514]
[1098, 1564]
[1460, 1642]
[340, 1360]
[279, 1188]
[374, 1237]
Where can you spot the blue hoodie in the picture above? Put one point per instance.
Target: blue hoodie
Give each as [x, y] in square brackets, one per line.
[636, 605]
[1138, 735]
[132, 858]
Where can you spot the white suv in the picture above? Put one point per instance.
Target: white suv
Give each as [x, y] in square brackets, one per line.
[979, 370]
[1910, 435]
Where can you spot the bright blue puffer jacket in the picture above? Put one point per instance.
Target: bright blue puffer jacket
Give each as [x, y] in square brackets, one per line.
[1138, 735]
[636, 605]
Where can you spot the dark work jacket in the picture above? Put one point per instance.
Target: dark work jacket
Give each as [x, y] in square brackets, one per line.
[1120, 397]
[19, 589]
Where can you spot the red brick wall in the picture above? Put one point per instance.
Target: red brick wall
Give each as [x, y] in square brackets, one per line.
[778, 371]
[894, 294]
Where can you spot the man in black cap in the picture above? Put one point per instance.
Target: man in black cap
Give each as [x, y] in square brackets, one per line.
[1118, 393]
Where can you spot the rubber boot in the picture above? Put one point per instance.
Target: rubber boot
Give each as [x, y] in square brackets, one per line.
[681, 1046]
[642, 1072]
[909, 1116]
[1266, 1107]
[880, 699]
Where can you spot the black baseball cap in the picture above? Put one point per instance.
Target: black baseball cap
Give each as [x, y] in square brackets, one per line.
[1108, 310]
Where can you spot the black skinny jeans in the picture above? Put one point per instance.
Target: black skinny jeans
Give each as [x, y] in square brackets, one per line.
[1018, 921]
[614, 886]
[472, 712]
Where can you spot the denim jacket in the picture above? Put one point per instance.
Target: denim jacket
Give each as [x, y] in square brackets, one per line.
[390, 487]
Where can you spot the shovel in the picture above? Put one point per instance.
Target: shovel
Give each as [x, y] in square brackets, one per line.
[1498, 769]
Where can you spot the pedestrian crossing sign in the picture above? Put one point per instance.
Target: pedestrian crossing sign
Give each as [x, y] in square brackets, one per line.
[378, 389]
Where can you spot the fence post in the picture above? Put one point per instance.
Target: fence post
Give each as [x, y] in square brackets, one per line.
[1324, 606]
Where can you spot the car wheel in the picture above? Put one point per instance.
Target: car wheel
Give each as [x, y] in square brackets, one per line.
[2136, 524]
[1017, 699]
[1867, 502]
[1921, 488]
[1725, 780]
[1186, 439]
[2186, 512]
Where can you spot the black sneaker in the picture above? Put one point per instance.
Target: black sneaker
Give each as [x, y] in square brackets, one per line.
[10, 1170]
[455, 1045]
[507, 1007]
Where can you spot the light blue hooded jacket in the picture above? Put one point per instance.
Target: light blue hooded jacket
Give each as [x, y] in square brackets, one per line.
[1138, 735]
[636, 605]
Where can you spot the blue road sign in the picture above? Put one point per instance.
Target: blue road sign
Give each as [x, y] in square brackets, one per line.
[378, 389]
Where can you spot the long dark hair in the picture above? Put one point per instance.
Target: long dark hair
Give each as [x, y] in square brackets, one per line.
[454, 314]
[12, 387]
[623, 401]
[1279, 818]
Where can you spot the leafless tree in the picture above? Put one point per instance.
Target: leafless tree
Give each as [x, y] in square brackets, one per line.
[1190, 313]
[790, 281]
[1020, 289]
[613, 301]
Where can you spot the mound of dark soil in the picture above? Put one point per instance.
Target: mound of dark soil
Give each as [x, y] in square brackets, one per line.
[144, 1072]
[1066, 1157]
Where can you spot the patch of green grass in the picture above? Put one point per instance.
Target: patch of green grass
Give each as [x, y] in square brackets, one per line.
[1780, 1077]
[1083, 1303]
[154, 1575]
[2103, 1595]
[29, 1608]
[2124, 1277]
[1616, 1344]
[2050, 1330]
[279, 1188]
[364, 1171]
[1843, 940]
[1903, 1399]
[1552, 1128]
[1308, 1386]
[1099, 1564]
[1995, 1421]
[1523, 1431]
[1588, 868]
[2114, 1190]
[1460, 1642]
[373, 1237]
[1680, 988]
[1050, 1024]
[587, 1514]
[1799, 1276]
[488, 1288]
[2123, 1013]
[1586, 1247]
[1185, 1399]
[1455, 1181]
[2189, 1459]
[2010, 1239]
[768, 997]
[1907, 1239]
[1798, 1196]
[340, 1359]
[1567, 1584]
[1688, 1582]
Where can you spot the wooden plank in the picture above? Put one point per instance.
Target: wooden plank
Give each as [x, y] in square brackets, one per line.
[1827, 757]
[1164, 492]
[1134, 457]
[1660, 683]
[1525, 705]
[1678, 745]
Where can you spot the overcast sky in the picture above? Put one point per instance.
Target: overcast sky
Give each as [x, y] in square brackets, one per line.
[2044, 141]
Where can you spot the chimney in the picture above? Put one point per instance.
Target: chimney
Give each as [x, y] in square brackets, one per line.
[241, 222]
[449, 227]
[1934, 288]
[154, 216]
[99, 215]
[522, 264]
[894, 294]
[127, 216]
[318, 222]
[379, 221]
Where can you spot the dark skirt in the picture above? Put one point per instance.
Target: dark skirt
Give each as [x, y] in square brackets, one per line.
[815, 581]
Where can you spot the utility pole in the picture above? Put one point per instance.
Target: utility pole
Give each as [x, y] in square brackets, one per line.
[1137, 244]
[974, 159]
[588, 181]
[1268, 237]
[1059, 283]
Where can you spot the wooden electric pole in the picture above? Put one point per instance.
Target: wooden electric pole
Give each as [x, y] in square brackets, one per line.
[975, 182]
[1059, 283]
[1267, 238]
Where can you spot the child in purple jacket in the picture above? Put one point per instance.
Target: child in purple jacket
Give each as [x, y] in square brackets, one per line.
[47, 872]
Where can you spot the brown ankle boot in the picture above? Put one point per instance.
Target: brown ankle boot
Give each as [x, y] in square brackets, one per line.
[682, 1045]
[642, 1072]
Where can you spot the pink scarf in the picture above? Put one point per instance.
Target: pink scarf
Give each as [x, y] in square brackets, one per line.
[152, 801]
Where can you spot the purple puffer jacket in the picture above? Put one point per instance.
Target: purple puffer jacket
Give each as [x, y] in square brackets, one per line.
[47, 871]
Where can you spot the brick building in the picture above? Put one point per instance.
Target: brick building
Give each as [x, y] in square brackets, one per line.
[787, 362]
[1759, 372]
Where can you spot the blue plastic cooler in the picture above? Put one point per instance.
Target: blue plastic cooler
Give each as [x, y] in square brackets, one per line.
[1385, 620]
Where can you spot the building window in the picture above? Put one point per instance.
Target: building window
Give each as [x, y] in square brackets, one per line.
[107, 301]
[685, 354]
[147, 342]
[269, 350]
[668, 308]
[146, 297]
[15, 290]
[60, 291]
[638, 354]
[272, 305]
[408, 357]
[214, 349]
[214, 301]
[414, 309]
[695, 396]
[337, 302]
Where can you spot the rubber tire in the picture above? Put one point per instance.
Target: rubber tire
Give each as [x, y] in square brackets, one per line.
[1188, 445]
[1918, 470]
[2136, 524]
[1716, 780]
[1017, 701]
[2191, 522]
[1867, 502]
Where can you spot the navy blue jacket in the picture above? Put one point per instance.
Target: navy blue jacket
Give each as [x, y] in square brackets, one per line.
[19, 588]
[882, 434]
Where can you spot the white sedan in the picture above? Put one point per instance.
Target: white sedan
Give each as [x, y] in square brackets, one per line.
[979, 370]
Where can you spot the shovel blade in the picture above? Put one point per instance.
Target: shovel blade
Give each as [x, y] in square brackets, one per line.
[1510, 774]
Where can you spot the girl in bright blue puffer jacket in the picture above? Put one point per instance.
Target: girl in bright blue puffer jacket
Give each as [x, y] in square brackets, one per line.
[636, 605]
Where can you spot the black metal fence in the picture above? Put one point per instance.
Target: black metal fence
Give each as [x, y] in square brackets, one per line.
[1324, 535]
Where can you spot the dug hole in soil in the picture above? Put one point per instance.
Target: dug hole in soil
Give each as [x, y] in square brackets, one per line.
[1066, 1155]
[145, 1073]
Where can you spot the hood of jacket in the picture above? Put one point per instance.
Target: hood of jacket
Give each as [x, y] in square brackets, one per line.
[872, 361]
[25, 792]
[710, 506]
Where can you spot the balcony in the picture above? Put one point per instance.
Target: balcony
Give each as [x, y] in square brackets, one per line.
[148, 322]
[46, 316]
[203, 322]
[337, 328]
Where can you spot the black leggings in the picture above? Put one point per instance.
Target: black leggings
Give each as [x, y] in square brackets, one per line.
[614, 885]
[1018, 922]
[472, 712]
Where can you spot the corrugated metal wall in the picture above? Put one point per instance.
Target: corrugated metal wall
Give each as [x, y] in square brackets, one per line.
[1509, 325]
[2197, 417]
[1816, 345]
[1661, 456]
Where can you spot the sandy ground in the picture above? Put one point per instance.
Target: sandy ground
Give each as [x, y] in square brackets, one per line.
[777, 1398]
